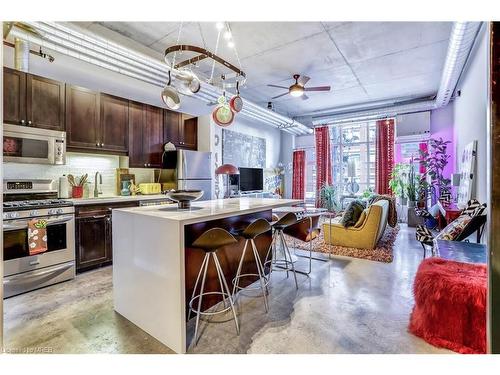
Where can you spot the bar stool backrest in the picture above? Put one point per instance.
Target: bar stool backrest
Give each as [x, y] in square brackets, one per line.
[213, 239]
[256, 228]
[289, 219]
[306, 229]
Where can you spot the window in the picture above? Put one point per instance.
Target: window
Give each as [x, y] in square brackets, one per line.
[354, 141]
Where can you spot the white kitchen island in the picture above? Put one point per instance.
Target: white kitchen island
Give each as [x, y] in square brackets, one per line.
[149, 259]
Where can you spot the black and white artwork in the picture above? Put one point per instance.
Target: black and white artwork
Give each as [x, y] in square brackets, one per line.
[467, 174]
[243, 150]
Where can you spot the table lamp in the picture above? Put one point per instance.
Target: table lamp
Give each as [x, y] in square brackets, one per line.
[227, 169]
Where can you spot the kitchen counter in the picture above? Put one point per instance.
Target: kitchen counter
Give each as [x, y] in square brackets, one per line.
[210, 210]
[154, 265]
[115, 199]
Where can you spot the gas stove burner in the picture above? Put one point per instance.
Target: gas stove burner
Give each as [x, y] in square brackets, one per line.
[38, 203]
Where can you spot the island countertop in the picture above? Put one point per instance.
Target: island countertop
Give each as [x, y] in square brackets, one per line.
[155, 267]
[213, 209]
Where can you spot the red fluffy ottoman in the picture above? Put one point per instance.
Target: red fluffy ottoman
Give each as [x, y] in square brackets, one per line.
[450, 305]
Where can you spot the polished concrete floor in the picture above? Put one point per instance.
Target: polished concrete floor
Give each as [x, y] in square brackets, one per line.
[346, 306]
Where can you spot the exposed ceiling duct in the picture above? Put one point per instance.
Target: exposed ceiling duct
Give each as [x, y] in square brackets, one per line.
[108, 55]
[462, 39]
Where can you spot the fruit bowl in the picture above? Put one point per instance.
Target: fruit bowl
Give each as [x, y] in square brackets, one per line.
[184, 197]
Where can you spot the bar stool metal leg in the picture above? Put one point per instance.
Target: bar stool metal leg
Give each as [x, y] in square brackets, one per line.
[219, 271]
[287, 250]
[196, 282]
[238, 272]
[207, 256]
[260, 271]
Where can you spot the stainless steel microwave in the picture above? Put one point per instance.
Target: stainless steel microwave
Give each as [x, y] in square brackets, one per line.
[24, 144]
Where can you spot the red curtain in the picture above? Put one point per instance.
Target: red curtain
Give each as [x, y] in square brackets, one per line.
[299, 174]
[384, 160]
[323, 159]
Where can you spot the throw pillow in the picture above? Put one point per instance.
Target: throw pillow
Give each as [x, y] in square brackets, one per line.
[453, 229]
[352, 213]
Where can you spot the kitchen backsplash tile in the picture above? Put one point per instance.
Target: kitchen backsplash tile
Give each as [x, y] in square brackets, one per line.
[78, 164]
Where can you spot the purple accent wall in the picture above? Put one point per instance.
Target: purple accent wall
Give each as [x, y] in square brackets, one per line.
[442, 123]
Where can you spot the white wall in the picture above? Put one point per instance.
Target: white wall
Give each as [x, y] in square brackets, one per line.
[470, 110]
[286, 157]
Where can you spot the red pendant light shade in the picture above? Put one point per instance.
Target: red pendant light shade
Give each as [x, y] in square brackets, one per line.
[227, 169]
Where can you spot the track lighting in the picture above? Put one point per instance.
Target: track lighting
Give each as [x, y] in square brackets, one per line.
[230, 44]
[227, 35]
[219, 25]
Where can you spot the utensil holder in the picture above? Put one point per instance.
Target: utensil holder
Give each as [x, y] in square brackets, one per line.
[77, 191]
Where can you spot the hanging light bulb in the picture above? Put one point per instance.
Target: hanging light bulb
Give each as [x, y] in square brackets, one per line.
[219, 25]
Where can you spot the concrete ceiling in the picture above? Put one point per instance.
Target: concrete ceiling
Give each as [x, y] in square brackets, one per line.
[362, 61]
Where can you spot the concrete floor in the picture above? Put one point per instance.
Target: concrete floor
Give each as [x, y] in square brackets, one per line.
[346, 306]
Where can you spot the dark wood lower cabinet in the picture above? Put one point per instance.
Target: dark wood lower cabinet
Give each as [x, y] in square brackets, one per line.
[94, 233]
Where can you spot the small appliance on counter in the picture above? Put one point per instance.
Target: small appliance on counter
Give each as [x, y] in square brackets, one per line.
[25, 270]
[150, 188]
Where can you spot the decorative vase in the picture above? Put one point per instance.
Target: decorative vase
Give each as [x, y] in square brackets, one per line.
[125, 191]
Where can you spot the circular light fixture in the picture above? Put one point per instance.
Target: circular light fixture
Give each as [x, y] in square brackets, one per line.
[230, 44]
[296, 90]
[219, 25]
[227, 35]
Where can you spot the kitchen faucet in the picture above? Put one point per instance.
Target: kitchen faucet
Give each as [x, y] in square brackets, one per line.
[96, 190]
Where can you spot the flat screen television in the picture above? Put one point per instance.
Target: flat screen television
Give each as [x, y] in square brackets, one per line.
[251, 179]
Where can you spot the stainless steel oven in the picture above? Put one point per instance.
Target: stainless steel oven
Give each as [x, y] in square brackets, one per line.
[24, 272]
[24, 144]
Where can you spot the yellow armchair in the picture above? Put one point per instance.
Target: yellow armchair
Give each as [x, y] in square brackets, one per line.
[364, 236]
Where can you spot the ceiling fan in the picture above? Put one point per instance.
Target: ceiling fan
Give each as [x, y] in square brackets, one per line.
[297, 89]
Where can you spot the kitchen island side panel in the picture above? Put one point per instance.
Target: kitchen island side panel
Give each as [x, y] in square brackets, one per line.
[148, 276]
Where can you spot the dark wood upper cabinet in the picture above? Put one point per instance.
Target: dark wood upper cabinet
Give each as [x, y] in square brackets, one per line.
[82, 118]
[182, 133]
[137, 121]
[153, 140]
[190, 133]
[14, 97]
[145, 135]
[32, 100]
[114, 124]
[171, 126]
[45, 102]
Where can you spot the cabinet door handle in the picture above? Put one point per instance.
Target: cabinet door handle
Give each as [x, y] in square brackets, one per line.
[99, 216]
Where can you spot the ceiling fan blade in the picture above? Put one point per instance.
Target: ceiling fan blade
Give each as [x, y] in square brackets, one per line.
[279, 87]
[303, 80]
[279, 96]
[304, 97]
[317, 88]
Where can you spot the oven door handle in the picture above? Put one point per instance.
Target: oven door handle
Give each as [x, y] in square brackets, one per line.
[31, 275]
[23, 224]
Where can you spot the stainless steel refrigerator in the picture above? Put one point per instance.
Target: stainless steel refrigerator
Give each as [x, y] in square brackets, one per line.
[189, 170]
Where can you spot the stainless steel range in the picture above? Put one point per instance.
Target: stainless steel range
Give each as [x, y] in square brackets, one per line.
[23, 201]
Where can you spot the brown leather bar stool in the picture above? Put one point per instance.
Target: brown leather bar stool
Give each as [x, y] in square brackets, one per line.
[210, 241]
[251, 232]
[305, 230]
[283, 261]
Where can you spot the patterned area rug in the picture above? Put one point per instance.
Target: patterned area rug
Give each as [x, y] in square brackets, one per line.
[382, 253]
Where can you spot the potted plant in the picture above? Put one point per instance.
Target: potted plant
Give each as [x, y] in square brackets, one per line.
[411, 186]
[398, 181]
[433, 161]
[328, 197]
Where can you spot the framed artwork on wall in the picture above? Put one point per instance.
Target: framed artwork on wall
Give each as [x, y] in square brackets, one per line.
[467, 174]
